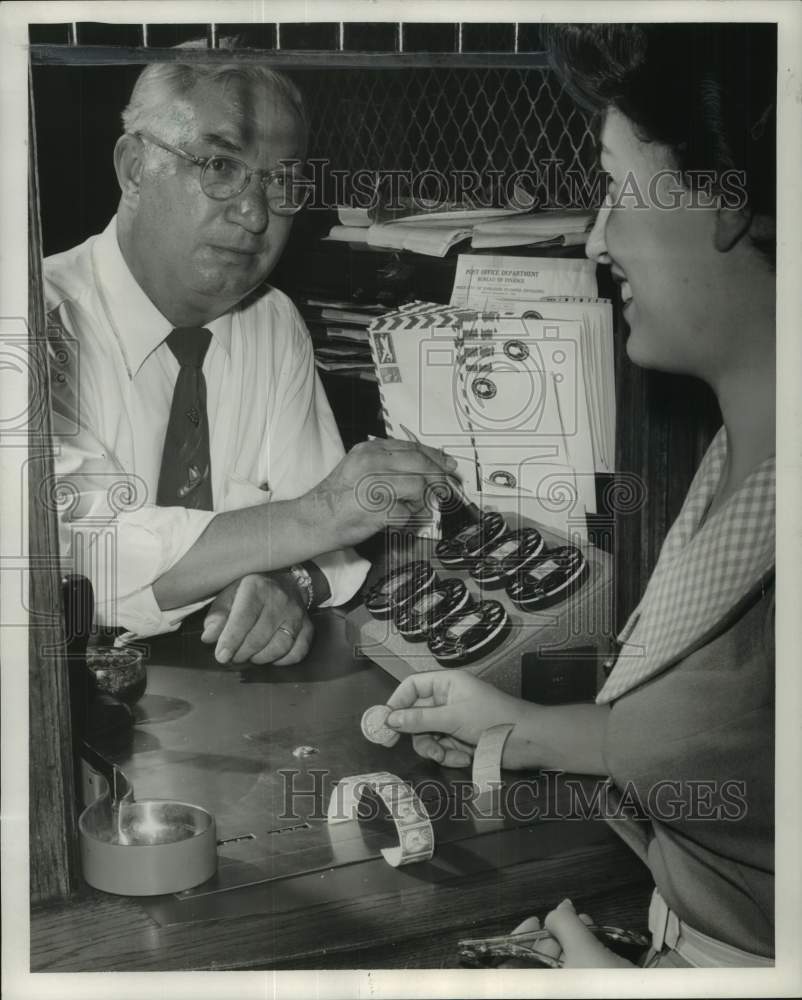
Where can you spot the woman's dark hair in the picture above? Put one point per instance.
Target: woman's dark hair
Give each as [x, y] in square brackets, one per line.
[708, 91]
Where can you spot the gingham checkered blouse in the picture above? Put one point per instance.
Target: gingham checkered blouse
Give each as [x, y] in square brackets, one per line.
[705, 568]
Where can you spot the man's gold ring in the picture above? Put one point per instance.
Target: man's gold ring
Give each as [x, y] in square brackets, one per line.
[283, 628]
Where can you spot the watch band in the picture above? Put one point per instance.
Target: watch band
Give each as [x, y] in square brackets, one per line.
[304, 583]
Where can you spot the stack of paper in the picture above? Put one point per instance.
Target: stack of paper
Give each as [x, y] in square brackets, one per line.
[522, 286]
[355, 216]
[498, 283]
[338, 356]
[428, 232]
[520, 392]
[563, 228]
[339, 332]
[434, 241]
[348, 234]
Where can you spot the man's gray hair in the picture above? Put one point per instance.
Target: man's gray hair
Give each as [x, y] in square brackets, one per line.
[160, 85]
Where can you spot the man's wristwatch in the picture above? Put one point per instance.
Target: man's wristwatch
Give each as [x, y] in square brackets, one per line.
[304, 583]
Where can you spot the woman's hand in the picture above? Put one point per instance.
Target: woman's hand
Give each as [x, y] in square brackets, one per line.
[447, 711]
[571, 942]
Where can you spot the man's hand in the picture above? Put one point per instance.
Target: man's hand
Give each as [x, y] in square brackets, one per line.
[571, 942]
[455, 704]
[261, 619]
[379, 483]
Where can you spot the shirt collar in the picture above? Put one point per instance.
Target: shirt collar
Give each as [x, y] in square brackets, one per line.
[139, 326]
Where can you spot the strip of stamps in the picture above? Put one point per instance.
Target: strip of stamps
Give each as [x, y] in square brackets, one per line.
[412, 823]
[487, 758]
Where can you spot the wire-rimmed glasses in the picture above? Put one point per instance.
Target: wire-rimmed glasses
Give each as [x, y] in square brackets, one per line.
[223, 177]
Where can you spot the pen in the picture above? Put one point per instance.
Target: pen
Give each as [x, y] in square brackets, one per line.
[476, 464]
[560, 417]
[470, 508]
[416, 440]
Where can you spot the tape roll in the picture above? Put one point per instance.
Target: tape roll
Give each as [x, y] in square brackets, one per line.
[433, 609]
[548, 580]
[506, 557]
[463, 548]
[470, 634]
[399, 588]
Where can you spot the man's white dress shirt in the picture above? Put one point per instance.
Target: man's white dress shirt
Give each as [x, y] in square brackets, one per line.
[272, 432]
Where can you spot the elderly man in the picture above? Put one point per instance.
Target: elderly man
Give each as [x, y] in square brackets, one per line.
[178, 373]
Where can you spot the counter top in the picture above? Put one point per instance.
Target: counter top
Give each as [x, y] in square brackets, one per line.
[292, 892]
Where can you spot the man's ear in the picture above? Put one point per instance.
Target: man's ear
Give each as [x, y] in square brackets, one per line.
[129, 164]
[731, 225]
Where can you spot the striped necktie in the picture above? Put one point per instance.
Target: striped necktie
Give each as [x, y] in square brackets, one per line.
[185, 476]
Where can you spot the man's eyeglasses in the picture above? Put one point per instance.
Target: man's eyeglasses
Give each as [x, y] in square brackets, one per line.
[224, 177]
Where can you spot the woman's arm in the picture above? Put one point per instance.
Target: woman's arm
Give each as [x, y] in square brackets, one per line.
[566, 737]
[460, 707]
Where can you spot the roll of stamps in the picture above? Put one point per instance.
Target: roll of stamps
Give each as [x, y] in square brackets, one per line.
[416, 844]
[400, 587]
[415, 833]
[487, 758]
[375, 728]
[412, 823]
[345, 797]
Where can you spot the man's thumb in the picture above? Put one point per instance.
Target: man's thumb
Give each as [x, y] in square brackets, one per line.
[213, 625]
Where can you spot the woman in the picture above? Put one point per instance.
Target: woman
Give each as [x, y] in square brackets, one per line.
[688, 706]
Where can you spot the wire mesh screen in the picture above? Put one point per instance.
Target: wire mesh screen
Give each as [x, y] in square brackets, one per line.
[489, 123]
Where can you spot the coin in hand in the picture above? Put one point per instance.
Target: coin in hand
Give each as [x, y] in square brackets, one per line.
[375, 728]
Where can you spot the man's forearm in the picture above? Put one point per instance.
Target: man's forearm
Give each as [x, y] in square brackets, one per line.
[257, 539]
[568, 737]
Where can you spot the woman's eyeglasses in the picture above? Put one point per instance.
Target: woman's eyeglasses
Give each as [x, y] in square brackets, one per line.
[224, 177]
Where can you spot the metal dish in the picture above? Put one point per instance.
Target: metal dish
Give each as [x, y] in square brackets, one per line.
[145, 848]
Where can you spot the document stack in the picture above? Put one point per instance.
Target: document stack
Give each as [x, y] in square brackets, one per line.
[435, 233]
[339, 331]
[514, 378]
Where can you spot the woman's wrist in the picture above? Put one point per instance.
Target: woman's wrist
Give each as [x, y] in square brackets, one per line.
[569, 737]
[520, 751]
